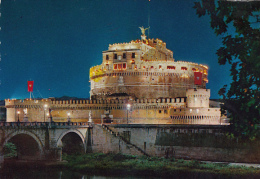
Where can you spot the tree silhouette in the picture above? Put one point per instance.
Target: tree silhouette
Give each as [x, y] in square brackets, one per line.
[237, 23]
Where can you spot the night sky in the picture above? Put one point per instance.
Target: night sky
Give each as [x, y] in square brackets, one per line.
[55, 42]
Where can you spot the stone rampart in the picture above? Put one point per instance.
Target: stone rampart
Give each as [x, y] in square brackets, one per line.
[147, 111]
[103, 141]
[200, 142]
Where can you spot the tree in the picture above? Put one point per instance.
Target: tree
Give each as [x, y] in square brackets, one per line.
[10, 150]
[241, 49]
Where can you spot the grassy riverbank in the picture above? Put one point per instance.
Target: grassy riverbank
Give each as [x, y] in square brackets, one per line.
[117, 164]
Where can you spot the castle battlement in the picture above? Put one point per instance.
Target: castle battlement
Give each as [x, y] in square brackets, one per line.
[94, 104]
[119, 101]
[26, 101]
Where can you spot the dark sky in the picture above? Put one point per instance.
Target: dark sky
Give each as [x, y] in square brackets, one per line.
[55, 42]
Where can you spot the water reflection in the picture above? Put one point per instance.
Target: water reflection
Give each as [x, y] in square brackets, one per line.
[27, 171]
[47, 173]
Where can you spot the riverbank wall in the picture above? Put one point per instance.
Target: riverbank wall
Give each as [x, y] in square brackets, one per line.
[198, 142]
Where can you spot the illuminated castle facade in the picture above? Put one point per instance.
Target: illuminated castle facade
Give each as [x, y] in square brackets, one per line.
[137, 82]
[144, 69]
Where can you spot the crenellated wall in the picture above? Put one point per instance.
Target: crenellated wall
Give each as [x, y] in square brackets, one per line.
[149, 111]
[80, 110]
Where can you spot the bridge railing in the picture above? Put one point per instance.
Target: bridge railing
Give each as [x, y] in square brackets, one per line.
[42, 124]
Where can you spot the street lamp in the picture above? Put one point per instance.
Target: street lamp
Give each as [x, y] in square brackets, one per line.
[50, 114]
[18, 112]
[68, 117]
[47, 116]
[45, 107]
[128, 106]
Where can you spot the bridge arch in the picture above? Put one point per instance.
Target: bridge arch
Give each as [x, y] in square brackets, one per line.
[73, 131]
[31, 136]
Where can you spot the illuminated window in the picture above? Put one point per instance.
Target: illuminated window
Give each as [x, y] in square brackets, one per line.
[107, 66]
[151, 67]
[119, 57]
[132, 62]
[119, 66]
[194, 69]
[160, 66]
[183, 68]
[115, 56]
[143, 66]
[171, 67]
[133, 55]
[124, 55]
[135, 66]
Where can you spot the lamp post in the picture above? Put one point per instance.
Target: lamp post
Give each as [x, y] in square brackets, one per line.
[47, 116]
[45, 107]
[128, 106]
[18, 112]
[68, 117]
[50, 114]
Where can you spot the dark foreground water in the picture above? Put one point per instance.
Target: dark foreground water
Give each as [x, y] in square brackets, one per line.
[53, 174]
[28, 170]
[56, 174]
[39, 171]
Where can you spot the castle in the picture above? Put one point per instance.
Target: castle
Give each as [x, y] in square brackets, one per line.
[137, 83]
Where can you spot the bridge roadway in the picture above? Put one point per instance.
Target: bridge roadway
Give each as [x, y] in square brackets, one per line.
[44, 140]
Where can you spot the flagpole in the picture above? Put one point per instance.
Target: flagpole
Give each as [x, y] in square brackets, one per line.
[148, 19]
[30, 88]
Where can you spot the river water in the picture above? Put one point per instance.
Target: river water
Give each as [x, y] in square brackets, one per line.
[25, 171]
[37, 171]
[54, 174]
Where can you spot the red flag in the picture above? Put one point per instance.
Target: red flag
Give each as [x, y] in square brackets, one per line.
[30, 86]
[197, 78]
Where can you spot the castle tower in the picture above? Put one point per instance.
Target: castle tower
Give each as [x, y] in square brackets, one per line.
[143, 69]
[198, 98]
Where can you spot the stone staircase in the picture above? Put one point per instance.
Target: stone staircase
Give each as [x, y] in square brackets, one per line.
[117, 134]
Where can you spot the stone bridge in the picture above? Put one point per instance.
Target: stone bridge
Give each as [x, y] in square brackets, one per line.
[48, 140]
[45, 140]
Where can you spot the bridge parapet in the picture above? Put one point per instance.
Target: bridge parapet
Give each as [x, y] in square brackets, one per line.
[45, 124]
